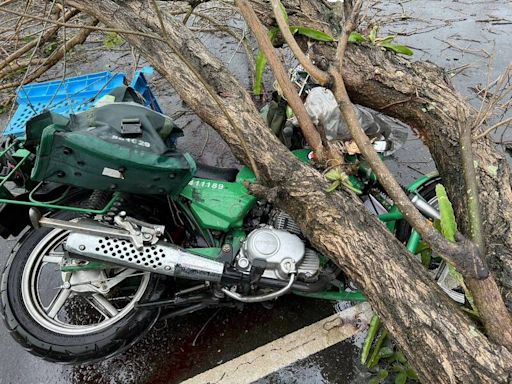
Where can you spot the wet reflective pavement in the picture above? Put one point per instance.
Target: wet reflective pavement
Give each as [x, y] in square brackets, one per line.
[185, 347]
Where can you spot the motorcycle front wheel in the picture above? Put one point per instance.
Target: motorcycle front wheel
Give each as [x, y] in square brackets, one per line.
[74, 315]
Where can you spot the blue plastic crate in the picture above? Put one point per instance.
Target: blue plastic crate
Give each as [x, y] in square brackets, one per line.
[75, 94]
[140, 84]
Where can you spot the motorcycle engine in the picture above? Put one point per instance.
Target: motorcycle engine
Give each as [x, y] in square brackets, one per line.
[280, 247]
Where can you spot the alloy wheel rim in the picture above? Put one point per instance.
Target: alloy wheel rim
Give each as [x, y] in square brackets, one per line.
[43, 315]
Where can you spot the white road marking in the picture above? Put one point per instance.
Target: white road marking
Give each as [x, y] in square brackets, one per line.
[279, 353]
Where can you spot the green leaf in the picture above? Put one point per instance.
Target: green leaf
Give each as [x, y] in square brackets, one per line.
[272, 34]
[411, 374]
[374, 380]
[401, 378]
[356, 37]
[386, 352]
[382, 374]
[448, 223]
[426, 257]
[374, 358]
[372, 36]
[400, 357]
[283, 11]
[294, 30]
[335, 184]
[289, 112]
[112, 40]
[437, 225]
[384, 40]
[425, 253]
[347, 184]
[314, 34]
[397, 48]
[261, 62]
[372, 332]
[333, 174]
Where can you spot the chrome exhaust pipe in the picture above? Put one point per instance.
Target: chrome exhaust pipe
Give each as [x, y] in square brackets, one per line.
[161, 257]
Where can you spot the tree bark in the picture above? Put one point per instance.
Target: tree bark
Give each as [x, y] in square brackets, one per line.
[400, 88]
[441, 343]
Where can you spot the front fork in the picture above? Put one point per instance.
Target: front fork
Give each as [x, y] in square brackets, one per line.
[394, 214]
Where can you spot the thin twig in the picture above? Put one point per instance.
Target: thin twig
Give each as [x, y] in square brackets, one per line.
[389, 105]
[348, 27]
[495, 126]
[489, 303]
[28, 66]
[18, 23]
[81, 26]
[207, 86]
[53, 59]
[36, 42]
[306, 124]
[464, 255]
[16, 66]
[475, 220]
[241, 40]
[320, 76]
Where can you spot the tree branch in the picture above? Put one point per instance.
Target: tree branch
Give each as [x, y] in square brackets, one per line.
[337, 224]
[55, 57]
[308, 129]
[320, 76]
[17, 65]
[495, 126]
[351, 16]
[486, 293]
[81, 26]
[206, 85]
[34, 43]
[464, 255]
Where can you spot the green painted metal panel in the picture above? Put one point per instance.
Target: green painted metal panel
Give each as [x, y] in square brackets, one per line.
[413, 242]
[246, 174]
[218, 205]
[422, 180]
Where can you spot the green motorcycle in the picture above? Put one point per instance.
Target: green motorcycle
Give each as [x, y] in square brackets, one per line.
[119, 229]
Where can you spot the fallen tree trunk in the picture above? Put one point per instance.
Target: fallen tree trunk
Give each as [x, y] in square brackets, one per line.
[440, 341]
[403, 89]
[439, 130]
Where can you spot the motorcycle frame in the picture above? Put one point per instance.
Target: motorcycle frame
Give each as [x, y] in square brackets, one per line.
[236, 235]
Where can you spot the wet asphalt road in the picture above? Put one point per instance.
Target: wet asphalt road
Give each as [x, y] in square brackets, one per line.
[449, 33]
[178, 349]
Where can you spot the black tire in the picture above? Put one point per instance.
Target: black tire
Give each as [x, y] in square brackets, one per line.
[65, 348]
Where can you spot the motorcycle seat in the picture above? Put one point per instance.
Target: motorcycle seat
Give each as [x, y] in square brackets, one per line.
[211, 172]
